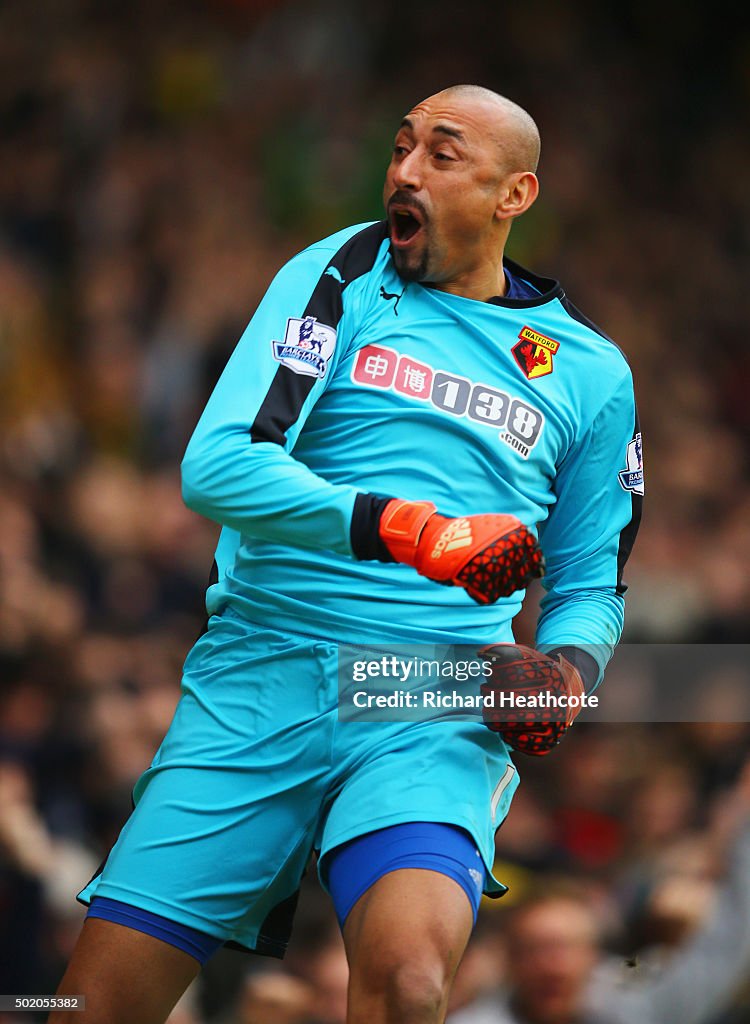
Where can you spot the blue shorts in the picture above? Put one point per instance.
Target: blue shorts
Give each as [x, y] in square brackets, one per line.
[256, 772]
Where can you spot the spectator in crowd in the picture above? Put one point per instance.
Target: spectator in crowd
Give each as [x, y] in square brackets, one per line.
[556, 973]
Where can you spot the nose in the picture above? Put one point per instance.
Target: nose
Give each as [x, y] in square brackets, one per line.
[407, 172]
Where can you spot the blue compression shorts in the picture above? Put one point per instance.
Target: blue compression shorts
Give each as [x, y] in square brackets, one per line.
[355, 866]
[197, 944]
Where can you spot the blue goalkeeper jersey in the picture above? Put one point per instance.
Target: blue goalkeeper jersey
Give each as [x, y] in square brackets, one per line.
[349, 384]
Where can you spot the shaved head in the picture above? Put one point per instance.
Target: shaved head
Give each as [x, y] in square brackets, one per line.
[462, 170]
[513, 129]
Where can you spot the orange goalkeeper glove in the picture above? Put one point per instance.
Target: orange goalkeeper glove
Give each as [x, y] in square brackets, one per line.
[490, 555]
[552, 694]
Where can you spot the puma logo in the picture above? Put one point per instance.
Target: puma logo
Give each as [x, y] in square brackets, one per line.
[392, 295]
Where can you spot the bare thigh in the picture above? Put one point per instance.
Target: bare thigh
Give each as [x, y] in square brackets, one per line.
[404, 939]
[127, 977]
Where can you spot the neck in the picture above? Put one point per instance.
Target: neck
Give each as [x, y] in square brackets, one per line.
[482, 286]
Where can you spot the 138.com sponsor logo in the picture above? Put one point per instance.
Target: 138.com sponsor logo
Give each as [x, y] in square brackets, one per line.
[518, 423]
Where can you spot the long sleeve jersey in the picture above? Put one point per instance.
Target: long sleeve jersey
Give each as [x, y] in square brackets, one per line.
[350, 384]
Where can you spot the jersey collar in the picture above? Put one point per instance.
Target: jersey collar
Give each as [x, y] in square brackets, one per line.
[547, 287]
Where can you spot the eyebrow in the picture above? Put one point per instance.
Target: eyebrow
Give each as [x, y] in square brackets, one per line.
[442, 129]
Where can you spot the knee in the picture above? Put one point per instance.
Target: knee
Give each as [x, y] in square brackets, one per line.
[411, 989]
[416, 991]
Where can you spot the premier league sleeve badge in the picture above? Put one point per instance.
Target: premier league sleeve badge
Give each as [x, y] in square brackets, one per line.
[631, 478]
[307, 346]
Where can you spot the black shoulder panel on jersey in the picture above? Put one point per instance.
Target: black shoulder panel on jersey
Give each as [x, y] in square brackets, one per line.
[629, 532]
[575, 312]
[357, 256]
[281, 406]
[289, 390]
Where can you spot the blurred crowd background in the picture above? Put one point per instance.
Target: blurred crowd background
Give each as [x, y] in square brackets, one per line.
[158, 163]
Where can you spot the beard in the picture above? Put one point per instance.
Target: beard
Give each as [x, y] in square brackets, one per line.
[411, 268]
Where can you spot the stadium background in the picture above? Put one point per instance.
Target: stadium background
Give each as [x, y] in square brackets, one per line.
[158, 162]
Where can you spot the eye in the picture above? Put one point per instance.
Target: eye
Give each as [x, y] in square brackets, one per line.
[399, 150]
[444, 157]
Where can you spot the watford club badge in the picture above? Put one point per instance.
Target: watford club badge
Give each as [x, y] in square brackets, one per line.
[533, 353]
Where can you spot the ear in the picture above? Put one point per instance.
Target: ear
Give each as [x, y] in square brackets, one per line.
[519, 191]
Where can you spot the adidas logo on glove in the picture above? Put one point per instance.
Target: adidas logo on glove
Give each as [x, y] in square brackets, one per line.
[456, 535]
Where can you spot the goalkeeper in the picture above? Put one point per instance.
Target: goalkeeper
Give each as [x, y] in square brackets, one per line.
[408, 422]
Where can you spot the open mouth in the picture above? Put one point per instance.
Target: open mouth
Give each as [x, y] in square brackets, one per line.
[405, 225]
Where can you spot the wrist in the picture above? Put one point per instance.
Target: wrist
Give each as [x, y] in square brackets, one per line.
[585, 664]
[386, 529]
[401, 526]
[364, 531]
